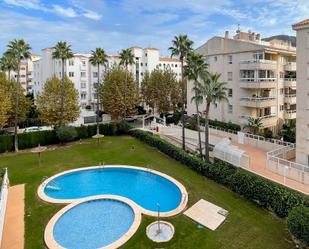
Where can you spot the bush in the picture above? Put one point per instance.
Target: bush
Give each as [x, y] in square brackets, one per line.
[298, 224]
[191, 124]
[66, 134]
[33, 139]
[265, 193]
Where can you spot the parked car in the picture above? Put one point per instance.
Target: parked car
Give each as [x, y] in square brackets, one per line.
[37, 128]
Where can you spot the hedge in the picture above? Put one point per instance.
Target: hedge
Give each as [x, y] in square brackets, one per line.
[264, 192]
[298, 224]
[33, 139]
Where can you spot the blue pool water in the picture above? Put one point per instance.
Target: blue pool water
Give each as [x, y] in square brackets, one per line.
[93, 224]
[144, 188]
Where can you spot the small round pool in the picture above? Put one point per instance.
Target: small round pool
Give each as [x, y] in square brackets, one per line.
[97, 222]
[148, 189]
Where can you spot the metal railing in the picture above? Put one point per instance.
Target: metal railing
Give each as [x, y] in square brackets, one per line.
[258, 61]
[290, 111]
[254, 80]
[289, 79]
[288, 95]
[257, 98]
[3, 201]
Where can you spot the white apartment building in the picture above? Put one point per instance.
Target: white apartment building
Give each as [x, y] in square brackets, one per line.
[302, 124]
[84, 75]
[26, 73]
[260, 76]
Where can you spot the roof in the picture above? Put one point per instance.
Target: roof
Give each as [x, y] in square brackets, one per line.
[167, 59]
[301, 24]
[151, 49]
[137, 47]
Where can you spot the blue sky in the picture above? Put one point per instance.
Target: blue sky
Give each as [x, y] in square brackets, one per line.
[118, 24]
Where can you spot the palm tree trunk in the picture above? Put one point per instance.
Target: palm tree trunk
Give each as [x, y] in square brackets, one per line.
[62, 95]
[207, 132]
[98, 108]
[9, 74]
[16, 109]
[198, 129]
[183, 107]
[125, 93]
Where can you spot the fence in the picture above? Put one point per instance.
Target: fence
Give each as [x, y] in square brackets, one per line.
[278, 161]
[3, 201]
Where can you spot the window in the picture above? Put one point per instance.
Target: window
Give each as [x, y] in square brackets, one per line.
[215, 58]
[230, 92]
[83, 85]
[176, 65]
[230, 76]
[146, 64]
[281, 75]
[83, 63]
[281, 107]
[230, 108]
[160, 65]
[142, 64]
[71, 62]
[83, 95]
[281, 91]
[71, 74]
[230, 60]
[82, 74]
[146, 54]
[95, 74]
[95, 85]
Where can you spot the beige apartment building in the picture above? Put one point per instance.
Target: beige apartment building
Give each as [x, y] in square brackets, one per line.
[302, 124]
[260, 76]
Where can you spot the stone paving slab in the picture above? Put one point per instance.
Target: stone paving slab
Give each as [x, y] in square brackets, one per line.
[14, 226]
[207, 214]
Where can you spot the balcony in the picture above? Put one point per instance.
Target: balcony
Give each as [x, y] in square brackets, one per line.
[258, 64]
[267, 121]
[253, 83]
[291, 82]
[290, 114]
[290, 66]
[290, 98]
[258, 102]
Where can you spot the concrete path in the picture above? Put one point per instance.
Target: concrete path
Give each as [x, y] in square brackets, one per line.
[14, 226]
[257, 156]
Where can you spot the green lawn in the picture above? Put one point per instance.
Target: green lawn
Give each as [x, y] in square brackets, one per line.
[247, 226]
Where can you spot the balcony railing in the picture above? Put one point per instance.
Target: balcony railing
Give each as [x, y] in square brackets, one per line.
[258, 102]
[290, 66]
[254, 61]
[290, 98]
[290, 114]
[255, 83]
[290, 82]
[267, 120]
[258, 64]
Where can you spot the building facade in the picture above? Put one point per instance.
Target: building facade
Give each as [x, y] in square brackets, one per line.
[85, 76]
[260, 77]
[302, 61]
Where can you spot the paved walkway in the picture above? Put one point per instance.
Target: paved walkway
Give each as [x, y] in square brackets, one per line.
[14, 227]
[257, 156]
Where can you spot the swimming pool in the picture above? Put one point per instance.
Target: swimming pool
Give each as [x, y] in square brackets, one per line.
[147, 188]
[96, 222]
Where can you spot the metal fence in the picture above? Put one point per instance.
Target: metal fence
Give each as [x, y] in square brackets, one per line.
[3, 201]
[278, 161]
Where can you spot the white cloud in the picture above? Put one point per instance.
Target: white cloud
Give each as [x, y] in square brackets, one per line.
[67, 12]
[27, 4]
[92, 15]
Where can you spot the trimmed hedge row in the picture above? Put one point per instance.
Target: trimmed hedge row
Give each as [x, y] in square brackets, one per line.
[265, 193]
[33, 139]
[298, 224]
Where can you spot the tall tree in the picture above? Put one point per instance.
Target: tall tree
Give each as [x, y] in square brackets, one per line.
[49, 102]
[119, 90]
[8, 64]
[196, 69]
[160, 89]
[20, 51]
[62, 51]
[213, 91]
[254, 124]
[126, 59]
[98, 57]
[181, 48]
[5, 103]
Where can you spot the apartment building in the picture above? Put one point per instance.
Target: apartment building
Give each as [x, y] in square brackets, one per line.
[26, 73]
[260, 76]
[85, 76]
[302, 124]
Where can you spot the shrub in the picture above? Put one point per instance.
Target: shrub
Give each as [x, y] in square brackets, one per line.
[66, 133]
[298, 224]
[266, 193]
[6, 143]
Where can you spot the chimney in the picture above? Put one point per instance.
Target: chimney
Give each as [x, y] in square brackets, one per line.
[226, 35]
[258, 37]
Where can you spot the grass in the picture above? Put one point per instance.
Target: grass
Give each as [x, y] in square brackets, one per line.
[247, 226]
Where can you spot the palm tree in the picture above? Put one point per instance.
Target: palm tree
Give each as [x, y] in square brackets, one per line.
[213, 91]
[254, 124]
[288, 132]
[8, 63]
[195, 69]
[19, 50]
[98, 58]
[126, 59]
[181, 48]
[62, 51]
